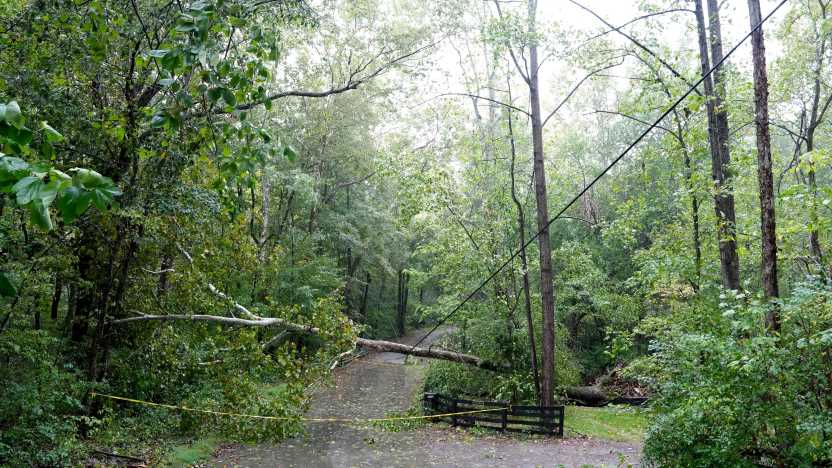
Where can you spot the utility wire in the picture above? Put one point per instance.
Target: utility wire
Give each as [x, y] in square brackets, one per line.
[600, 175]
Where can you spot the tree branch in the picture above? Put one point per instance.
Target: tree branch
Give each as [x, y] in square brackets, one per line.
[378, 345]
[476, 96]
[260, 322]
[638, 44]
[614, 29]
[575, 89]
[351, 84]
[636, 119]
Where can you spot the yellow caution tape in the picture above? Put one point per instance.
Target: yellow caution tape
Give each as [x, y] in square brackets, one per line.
[285, 418]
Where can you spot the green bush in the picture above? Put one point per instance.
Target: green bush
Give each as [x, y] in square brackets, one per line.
[735, 396]
[40, 406]
[195, 368]
[490, 340]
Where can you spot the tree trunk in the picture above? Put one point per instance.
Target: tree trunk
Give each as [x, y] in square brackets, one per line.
[590, 394]
[365, 296]
[263, 238]
[547, 289]
[730, 262]
[401, 307]
[767, 220]
[56, 297]
[718, 140]
[524, 264]
[389, 346]
[85, 296]
[164, 269]
[817, 115]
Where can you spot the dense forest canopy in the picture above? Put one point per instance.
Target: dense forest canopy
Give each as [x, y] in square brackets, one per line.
[200, 200]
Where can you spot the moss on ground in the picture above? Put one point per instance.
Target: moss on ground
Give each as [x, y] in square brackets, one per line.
[191, 453]
[618, 423]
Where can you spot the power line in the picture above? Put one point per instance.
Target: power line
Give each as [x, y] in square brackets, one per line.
[601, 174]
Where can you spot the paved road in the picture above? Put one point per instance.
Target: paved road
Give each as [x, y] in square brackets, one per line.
[380, 383]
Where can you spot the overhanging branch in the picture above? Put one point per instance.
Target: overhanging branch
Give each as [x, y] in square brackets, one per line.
[638, 44]
[353, 81]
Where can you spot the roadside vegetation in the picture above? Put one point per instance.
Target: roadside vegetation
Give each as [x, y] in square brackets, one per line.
[212, 203]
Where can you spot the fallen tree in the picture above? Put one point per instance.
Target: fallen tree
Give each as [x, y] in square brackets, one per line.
[592, 395]
[377, 345]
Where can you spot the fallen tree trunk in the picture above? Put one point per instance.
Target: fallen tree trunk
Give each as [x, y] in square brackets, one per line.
[452, 356]
[592, 395]
[377, 345]
[258, 322]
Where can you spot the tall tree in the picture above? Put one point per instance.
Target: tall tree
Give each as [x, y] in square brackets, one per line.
[718, 140]
[547, 287]
[524, 263]
[767, 220]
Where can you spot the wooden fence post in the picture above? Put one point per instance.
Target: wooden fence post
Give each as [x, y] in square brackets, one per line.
[505, 419]
[453, 410]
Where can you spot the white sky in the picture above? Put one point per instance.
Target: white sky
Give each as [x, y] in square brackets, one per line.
[675, 29]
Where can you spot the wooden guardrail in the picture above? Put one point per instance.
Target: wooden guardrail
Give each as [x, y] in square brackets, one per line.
[504, 417]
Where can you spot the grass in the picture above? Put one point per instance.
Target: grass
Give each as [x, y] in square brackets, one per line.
[192, 453]
[622, 424]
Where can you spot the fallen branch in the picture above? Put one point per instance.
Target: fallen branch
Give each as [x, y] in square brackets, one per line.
[260, 322]
[377, 345]
[591, 395]
[237, 306]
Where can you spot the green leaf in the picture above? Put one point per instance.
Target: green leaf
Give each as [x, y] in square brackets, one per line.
[39, 214]
[101, 199]
[158, 53]
[171, 61]
[214, 94]
[84, 200]
[13, 116]
[7, 289]
[27, 189]
[48, 192]
[290, 153]
[12, 168]
[157, 121]
[52, 135]
[87, 178]
[68, 204]
[21, 136]
[228, 97]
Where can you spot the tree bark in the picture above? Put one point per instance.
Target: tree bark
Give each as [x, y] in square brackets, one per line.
[401, 304]
[263, 238]
[547, 289]
[730, 263]
[524, 264]
[164, 269]
[590, 394]
[56, 297]
[365, 297]
[718, 141]
[471, 360]
[816, 118]
[767, 219]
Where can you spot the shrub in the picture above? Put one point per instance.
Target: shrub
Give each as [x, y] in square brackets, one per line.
[490, 341]
[40, 404]
[736, 396]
